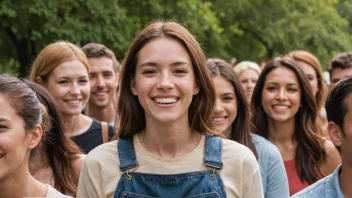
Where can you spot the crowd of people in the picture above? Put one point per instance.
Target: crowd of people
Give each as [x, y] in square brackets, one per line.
[168, 122]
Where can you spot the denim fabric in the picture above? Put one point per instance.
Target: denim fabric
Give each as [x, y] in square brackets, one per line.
[198, 184]
[272, 168]
[328, 187]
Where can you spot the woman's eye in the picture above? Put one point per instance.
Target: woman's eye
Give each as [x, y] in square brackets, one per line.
[292, 89]
[271, 88]
[2, 127]
[228, 98]
[180, 71]
[149, 71]
[83, 81]
[63, 82]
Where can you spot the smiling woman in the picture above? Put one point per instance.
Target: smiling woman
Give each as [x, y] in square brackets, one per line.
[23, 122]
[284, 112]
[62, 68]
[231, 118]
[165, 137]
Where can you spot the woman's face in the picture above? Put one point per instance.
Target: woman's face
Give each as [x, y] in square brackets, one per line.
[281, 95]
[164, 81]
[311, 74]
[14, 143]
[69, 85]
[225, 111]
[248, 79]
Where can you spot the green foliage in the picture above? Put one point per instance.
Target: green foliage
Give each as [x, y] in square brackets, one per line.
[245, 29]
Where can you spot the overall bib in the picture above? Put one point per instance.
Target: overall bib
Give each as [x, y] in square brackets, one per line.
[198, 184]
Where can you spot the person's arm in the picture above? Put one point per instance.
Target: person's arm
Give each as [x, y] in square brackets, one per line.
[333, 158]
[277, 182]
[253, 186]
[88, 186]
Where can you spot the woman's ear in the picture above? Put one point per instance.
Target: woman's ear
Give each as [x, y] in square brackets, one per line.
[34, 136]
[335, 133]
[196, 88]
[133, 86]
[39, 80]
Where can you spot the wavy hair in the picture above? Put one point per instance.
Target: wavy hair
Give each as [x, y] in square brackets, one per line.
[131, 113]
[240, 129]
[310, 154]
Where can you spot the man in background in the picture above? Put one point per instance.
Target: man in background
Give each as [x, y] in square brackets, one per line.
[339, 111]
[339, 67]
[104, 75]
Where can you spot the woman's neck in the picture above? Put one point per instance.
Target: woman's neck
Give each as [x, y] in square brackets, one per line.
[169, 140]
[281, 132]
[40, 168]
[22, 184]
[76, 125]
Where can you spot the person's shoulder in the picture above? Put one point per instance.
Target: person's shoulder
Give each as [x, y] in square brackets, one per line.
[230, 145]
[77, 164]
[265, 147]
[53, 193]
[315, 190]
[243, 153]
[102, 153]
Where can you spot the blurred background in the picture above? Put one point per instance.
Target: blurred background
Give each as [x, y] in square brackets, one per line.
[253, 30]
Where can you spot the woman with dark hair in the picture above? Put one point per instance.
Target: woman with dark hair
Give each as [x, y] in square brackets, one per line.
[166, 147]
[23, 122]
[284, 112]
[58, 160]
[231, 117]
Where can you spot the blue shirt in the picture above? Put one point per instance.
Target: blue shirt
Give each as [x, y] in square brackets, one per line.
[272, 168]
[328, 187]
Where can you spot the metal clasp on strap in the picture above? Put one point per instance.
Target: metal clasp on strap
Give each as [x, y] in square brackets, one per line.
[128, 176]
[214, 169]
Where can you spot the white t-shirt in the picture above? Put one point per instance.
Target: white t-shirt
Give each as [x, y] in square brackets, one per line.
[53, 193]
[100, 173]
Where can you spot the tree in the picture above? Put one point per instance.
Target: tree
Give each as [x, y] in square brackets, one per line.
[30, 25]
[264, 29]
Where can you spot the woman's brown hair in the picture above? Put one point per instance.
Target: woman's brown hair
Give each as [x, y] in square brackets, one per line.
[310, 154]
[240, 130]
[130, 112]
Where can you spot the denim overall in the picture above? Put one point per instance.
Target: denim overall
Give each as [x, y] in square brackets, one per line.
[198, 184]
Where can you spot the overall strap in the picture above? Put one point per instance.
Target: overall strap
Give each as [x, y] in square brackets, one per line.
[127, 154]
[213, 151]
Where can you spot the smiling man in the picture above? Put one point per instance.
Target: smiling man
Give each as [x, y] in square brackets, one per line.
[104, 74]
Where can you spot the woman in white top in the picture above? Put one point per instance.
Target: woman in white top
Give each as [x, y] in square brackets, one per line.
[165, 107]
[22, 122]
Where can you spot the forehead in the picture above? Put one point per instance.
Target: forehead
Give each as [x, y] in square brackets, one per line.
[307, 69]
[222, 85]
[163, 49]
[7, 110]
[340, 73]
[281, 75]
[101, 64]
[73, 68]
[249, 73]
